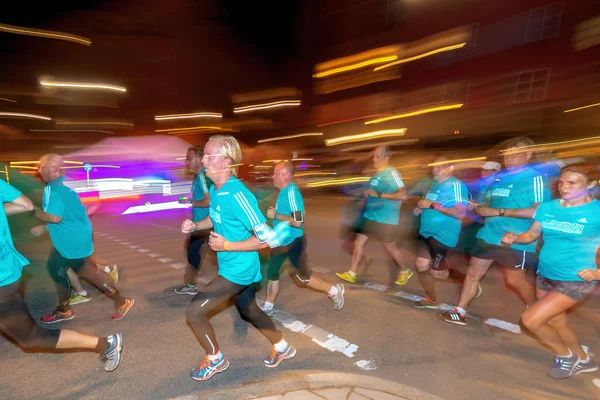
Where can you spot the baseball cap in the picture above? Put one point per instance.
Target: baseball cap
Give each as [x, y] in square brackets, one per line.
[492, 165]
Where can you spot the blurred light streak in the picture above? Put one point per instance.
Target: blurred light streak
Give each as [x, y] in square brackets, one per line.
[71, 130]
[93, 166]
[272, 161]
[581, 108]
[301, 174]
[327, 87]
[45, 34]
[146, 208]
[553, 146]
[94, 123]
[263, 166]
[418, 57]
[269, 94]
[180, 159]
[373, 145]
[365, 136]
[275, 104]
[302, 159]
[12, 101]
[350, 119]
[37, 162]
[290, 137]
[6, 172]
[23, 115]
[80, 85]
[96, 199]
[456, 161]
[379, 60]
[358, 57]
[190, 115]
[415, 113]
[24, 167]
[190, 128]
[337, 182]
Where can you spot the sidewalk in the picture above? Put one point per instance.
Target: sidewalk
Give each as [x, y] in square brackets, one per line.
[318, 386]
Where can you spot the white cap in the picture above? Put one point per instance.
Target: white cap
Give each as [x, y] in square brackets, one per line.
[492, 165]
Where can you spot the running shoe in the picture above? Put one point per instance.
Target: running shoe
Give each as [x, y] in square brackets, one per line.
[114, 273]
[453, 317]
[346, 276]
[121, 312]
[427, 303]
[403, 278]
[78, 298]
[187, 289]
[276, 357]
[338, 298]
[269, 311]
[563, 367]
[58, 316]
[208, 368]
[589, 366]
[112, 357]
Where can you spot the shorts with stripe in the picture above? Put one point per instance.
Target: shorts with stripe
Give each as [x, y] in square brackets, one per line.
[504, 256]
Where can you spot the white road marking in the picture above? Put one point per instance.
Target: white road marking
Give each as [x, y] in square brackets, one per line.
[154, 255]
[498, 323]
[177, 266]
[125, 243]
[143, 250]
[135, 246]
[165, 260]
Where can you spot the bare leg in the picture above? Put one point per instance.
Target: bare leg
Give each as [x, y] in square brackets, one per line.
[396, 254]
[75, 282]
[517, 278]
[477, 269]
[75, 340]
[357, 255]
[272, 291]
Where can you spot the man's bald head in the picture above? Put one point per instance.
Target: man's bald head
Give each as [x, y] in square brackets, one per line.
[50, 167]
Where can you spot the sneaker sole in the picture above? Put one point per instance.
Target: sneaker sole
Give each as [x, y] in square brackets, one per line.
[443, 318]
[287, 357]
[429, 307]
[205, 378]
[184, 293]
[345, 279]
[59, 320]
[121, 316]
[586, 370]
[79, 302]
[399, 283]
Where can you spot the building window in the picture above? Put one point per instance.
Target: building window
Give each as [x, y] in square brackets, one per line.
[544, 22]
[531, 86]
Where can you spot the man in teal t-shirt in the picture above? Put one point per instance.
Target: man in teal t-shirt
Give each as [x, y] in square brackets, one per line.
[70, 230]
[514, 196]
[288, 219]
[239, 231]
[381, 217]
[442, 210]
[15, 318]
[200, 210]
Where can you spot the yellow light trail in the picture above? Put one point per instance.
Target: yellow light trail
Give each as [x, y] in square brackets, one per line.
[365, 136]
[71, 130]
[335, 182]
[46, 34]
[581, 108]
[78, 85]
[190, 115]
[351, 67]
[5, 99]
[189, 129]
[37, 161]
[389, 143]
[93, 123]
[418, 57]
[553, 146]
[275, 104]
[457, 161]
[23, 115]
[290, 137]
[301, 174]
[415, 113]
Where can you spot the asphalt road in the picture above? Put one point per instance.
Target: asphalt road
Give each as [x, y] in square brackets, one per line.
[406, 345]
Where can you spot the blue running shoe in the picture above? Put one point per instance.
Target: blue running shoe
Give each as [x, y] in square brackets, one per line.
[208, 368]
[112, 357]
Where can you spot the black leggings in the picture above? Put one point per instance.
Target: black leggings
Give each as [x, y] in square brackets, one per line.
[57, 268]
[194, 257]
[17, 323]
[214, 294]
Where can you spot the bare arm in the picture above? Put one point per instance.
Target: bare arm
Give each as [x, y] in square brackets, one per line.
[48, 218]
[399, 194]
[524, 213]
[204, 203]
[532, 234]
[218, 243]
[18, 205]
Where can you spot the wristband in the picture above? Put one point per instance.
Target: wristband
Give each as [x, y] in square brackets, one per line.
[226, 245]
[276, 215]
[432, 206]
[378, 194]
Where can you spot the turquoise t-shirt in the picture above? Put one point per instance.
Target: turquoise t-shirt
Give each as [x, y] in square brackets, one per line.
[199, 189]
[72, 236]
[442, 227]
[235, 215]
[288, 201]
[11, 261]
[571, 239]
[385, 211]
[513, 190]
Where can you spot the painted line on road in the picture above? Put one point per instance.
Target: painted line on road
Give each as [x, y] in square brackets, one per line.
[135, 246]
[165, 260]
[125, 243]
[143, 250]
[320, 336]
[177, 266]
[154, 255]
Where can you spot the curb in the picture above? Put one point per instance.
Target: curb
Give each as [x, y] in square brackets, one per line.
[312, 381]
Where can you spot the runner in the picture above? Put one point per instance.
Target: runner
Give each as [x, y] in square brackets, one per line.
[78, 294]
[290, 209]
[70, 231]
[381, 217]
[568, 271]
[200, 208]
[234, 217]
[513, 198]
[441, 212]
[15, 319]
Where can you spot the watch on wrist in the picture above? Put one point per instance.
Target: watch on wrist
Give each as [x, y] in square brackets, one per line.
[378, 194]
[432, 206]
[276, 215]
[502, 211]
